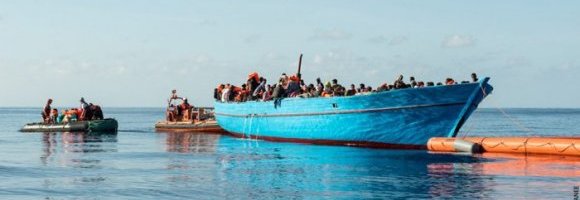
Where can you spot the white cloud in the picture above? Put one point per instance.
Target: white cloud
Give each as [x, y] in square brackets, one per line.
[334, 34]
[458, 41]
[392, 41]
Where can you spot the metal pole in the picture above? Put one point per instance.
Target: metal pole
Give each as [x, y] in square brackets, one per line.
[299, 67]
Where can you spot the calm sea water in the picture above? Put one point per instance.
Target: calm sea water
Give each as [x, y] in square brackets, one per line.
[139, 163]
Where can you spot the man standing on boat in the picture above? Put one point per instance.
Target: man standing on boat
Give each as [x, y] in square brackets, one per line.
[86, 113]
[173, 97]
[46, 111]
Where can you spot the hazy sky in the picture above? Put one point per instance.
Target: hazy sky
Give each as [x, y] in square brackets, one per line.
[132, 53]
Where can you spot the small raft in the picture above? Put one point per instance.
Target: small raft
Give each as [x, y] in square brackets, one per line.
[104, 125]
[189, 126]
[564, 146]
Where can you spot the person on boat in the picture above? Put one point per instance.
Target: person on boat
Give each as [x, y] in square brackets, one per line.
[173, 96]
[267, 95]
[65, 116]
[225, 93]
[279, 90]
[351, 91]
[293, 87]
[170, 113]
[53, 116]
[335, 86]
[234, 91]
[242, 94]
[61, 118]
[327, 90]
[251, 85]
[46, 111]
[86, 112]
[430, 83]
[97, 112]
[72, 115]
[383, 87]
[319, 86]
[284, 80]
[216, 94]
[399, 83]
[420, 84]
[361, 87]
[185, 110]
[449, 81]
[474, 77]
[412, 81]
[309, 93]
[260, 89]
[303, 86]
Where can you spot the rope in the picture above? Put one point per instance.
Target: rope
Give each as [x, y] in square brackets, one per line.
[514, 120]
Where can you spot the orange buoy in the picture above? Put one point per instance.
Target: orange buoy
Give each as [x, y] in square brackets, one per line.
[526, 145]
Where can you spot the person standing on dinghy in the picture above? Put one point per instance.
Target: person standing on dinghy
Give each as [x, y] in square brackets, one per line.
[46, 111]
[173, 97]
[86, 113]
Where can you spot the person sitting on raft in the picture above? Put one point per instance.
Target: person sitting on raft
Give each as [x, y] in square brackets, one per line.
[70, 115]
[170, 113]
[54, 116]
[46, 111]
[96, 111]
[60, 118]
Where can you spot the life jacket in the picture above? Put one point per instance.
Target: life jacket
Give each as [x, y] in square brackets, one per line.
[184, 106]
[255, 76]
[449, 82]
[237, 89]
[294, 78]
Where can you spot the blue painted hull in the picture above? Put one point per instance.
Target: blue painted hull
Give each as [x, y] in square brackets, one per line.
[399, 118]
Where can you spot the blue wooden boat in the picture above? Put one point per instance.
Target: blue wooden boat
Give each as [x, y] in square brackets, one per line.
[404, 118]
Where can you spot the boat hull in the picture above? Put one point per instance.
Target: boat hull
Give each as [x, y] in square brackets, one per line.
[208, 126]
[404, 118]
[105, 125]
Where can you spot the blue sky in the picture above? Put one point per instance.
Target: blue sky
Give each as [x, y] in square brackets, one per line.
[132, 53]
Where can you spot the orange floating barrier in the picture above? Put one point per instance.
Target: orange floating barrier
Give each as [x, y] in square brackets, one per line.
[523, 145]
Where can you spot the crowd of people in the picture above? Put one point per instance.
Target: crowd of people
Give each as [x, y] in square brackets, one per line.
[257, 88]
[86, 112]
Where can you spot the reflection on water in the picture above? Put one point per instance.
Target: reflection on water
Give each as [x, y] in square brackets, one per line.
[188, 142]
[514, 165]
[68, 148]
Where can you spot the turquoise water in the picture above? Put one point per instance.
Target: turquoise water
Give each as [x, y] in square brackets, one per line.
[139, 163]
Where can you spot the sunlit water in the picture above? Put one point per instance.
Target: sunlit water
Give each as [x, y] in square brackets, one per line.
[139, 163]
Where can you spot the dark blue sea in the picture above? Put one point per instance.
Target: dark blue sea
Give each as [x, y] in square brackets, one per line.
[139, 163]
